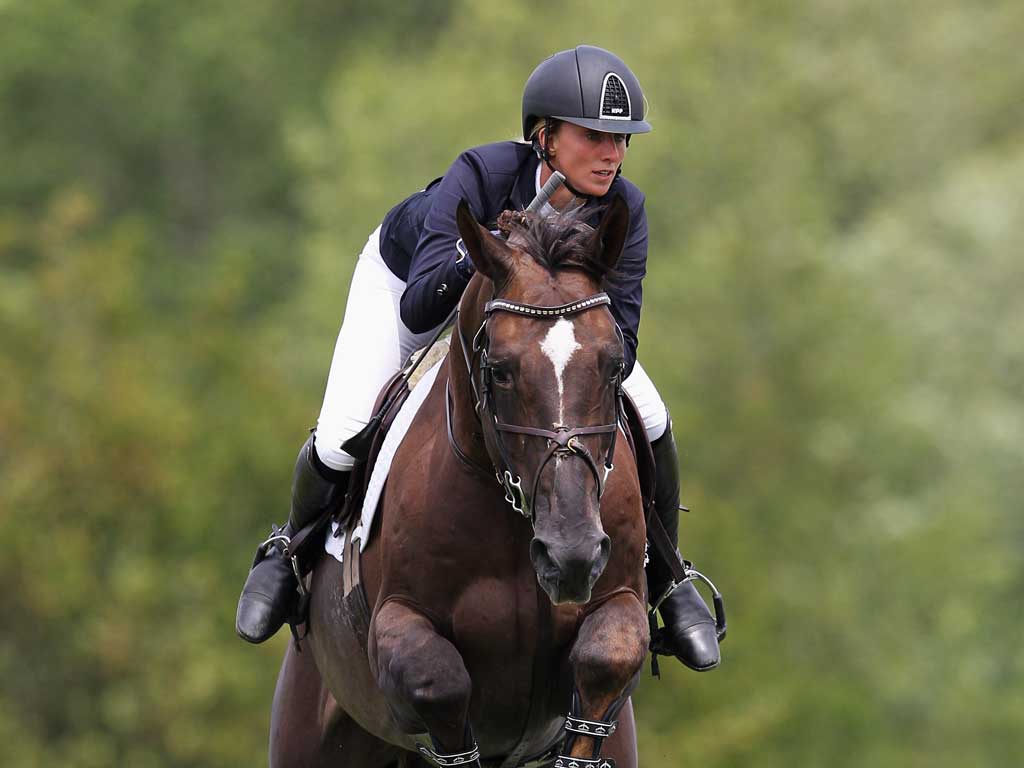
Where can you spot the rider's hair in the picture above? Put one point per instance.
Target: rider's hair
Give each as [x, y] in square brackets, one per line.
[550, 127]
[541, 122]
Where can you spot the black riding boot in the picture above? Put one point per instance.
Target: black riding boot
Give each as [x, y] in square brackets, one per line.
[270, 591]
[689, 631]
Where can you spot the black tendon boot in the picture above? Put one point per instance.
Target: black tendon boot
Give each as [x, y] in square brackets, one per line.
[689, 631]
[270, 591]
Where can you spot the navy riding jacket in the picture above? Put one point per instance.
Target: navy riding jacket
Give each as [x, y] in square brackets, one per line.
[418, 235]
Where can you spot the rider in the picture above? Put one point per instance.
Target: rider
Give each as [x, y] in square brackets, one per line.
[580, 108]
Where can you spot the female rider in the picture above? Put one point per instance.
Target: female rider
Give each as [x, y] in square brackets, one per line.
[579, 109]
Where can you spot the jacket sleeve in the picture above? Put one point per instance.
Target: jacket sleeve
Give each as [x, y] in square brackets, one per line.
[435, 284]
[624, 287]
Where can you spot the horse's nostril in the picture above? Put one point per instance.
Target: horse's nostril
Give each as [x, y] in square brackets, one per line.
[604, 549]
[539, 555]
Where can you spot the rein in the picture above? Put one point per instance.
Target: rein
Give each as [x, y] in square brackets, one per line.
[563, 441]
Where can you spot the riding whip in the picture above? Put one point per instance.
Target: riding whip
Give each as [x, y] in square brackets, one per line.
[549, 188]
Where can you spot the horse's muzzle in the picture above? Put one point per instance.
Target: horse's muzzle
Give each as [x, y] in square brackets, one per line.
[567, 573]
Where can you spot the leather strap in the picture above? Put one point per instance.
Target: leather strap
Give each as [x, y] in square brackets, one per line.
[459, 453]
[561, 310]
[562, 439]
[540, 680]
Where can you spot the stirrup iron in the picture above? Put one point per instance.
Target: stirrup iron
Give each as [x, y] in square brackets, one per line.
[692, 574]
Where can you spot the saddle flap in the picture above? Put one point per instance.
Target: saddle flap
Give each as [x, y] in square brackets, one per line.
[636, 436]
[388, 404]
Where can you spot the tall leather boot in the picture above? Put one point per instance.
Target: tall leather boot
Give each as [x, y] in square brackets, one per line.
[689, 631]
[271, 589]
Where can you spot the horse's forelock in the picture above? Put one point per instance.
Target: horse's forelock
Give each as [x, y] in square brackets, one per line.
[561, 240]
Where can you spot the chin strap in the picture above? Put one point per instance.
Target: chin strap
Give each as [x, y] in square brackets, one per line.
[566, 183]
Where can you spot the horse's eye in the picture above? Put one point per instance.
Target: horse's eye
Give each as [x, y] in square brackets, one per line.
[502, 377]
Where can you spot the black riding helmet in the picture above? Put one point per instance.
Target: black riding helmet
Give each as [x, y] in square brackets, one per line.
[587, 86]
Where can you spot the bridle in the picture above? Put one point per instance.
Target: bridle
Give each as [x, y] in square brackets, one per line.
[562, 440]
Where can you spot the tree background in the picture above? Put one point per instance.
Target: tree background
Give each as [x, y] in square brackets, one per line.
[833, 313]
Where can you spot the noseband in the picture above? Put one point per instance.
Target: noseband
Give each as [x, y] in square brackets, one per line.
[563, 441]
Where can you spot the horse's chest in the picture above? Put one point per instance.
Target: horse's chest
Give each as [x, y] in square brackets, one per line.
[514, 644]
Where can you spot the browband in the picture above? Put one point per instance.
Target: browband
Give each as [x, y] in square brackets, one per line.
[529, 310]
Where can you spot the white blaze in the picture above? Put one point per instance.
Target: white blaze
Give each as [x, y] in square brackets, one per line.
[559, 346]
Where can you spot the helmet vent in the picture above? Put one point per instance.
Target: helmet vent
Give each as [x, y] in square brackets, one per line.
[615, 99]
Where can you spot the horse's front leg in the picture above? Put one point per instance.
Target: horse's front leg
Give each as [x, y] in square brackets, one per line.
[424, 680]
[609, 651]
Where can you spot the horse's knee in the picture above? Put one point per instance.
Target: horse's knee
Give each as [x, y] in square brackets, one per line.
[422, 674]
[435, 687]
[606, 667]
[609, 651]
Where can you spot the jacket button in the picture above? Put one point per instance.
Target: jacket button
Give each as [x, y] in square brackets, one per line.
[443, 289]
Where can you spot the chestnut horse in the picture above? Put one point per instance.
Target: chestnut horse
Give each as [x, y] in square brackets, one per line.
[508, 621]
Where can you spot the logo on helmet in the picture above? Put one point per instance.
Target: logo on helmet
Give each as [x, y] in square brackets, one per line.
[615, 99]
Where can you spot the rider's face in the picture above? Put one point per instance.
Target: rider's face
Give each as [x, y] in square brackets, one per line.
[588, 158]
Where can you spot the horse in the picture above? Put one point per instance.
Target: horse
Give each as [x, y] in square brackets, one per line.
[508, 623]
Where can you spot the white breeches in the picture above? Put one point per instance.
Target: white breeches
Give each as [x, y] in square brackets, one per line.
[374, 343]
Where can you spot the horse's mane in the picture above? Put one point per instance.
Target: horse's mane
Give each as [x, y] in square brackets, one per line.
[561, 240]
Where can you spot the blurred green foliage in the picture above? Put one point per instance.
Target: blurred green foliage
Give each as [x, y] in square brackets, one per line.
[836, 198]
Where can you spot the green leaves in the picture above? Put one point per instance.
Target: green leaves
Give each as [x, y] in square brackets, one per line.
[831, 314]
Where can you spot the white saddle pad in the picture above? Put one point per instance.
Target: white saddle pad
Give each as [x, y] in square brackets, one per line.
[335, 545]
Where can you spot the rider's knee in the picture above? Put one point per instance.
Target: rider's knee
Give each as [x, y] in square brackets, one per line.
[656, 423]
[648, 402]
[329, 439]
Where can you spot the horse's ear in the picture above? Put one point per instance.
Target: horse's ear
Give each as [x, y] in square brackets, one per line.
[489, 254]
[611, 233]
